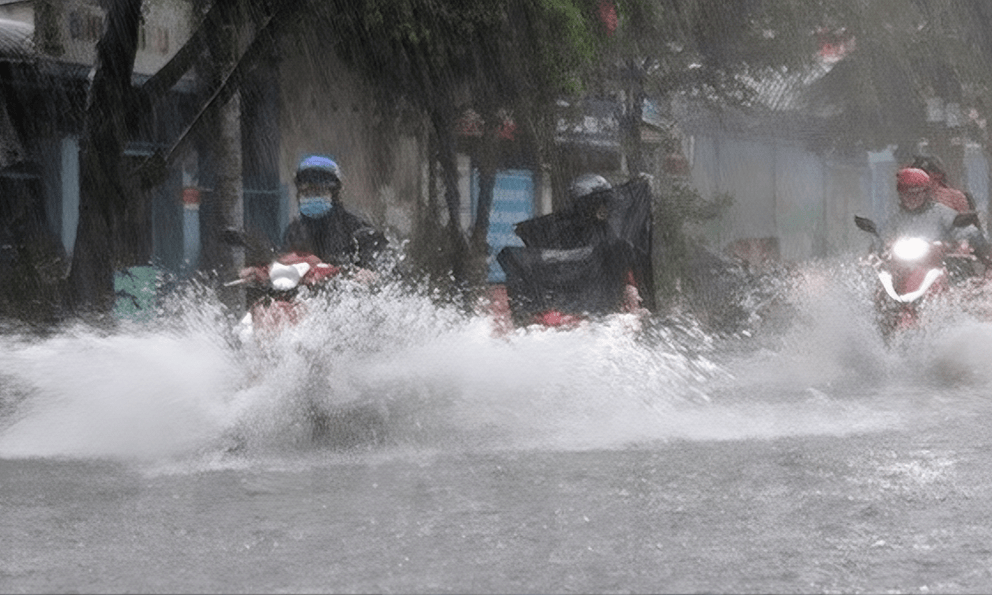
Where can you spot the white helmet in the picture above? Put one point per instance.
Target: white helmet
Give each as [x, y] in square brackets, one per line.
[587, 184]
[588, 191]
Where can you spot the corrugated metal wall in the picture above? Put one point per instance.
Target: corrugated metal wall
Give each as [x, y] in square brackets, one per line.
[802, 202]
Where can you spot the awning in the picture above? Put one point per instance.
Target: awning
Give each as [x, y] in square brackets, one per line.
[16, 39]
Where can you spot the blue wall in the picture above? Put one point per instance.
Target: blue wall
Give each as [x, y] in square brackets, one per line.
[513, 202]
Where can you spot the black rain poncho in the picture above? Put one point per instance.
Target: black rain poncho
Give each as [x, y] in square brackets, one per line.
[576, 265]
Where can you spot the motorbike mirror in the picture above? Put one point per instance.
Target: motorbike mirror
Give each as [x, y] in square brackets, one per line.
[258, 248]
[234, 237]
[865, 224]
[966, 218]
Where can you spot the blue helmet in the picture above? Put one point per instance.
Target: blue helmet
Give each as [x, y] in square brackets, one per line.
[318, 169]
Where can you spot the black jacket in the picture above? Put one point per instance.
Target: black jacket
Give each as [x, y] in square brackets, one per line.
[336, 238]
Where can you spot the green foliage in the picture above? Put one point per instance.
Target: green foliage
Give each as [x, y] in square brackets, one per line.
[677, 204]
[430, 61]
[904, 54]
[432, 50]
[697, 47]
[901, 54]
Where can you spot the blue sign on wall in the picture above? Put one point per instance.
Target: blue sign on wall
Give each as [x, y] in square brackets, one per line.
[513, 202]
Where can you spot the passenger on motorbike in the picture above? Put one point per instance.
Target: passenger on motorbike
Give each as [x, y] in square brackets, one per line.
[939, 189]
[577, 262]
[324, 228]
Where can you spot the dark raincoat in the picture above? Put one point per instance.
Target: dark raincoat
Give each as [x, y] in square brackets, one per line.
[576, 264]
[337, 238]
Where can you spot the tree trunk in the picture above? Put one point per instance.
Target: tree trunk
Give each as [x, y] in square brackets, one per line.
[224, 206]
[91, 277]
[633, 112]
[458, 249]
[487, 162]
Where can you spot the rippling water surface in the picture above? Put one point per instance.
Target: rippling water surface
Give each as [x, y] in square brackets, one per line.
[800, 455]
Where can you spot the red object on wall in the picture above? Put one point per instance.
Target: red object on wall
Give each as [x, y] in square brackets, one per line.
[608, 15]
[191, 197]
[677, 165]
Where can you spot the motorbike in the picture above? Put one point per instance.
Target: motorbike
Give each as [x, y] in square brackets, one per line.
[276, 285]
[913, 271]
[278, 294]
[279, 284]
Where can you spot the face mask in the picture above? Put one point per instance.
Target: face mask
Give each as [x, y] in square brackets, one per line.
[315, 206]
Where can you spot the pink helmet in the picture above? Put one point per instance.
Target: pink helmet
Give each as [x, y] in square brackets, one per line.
[911, 177]
[912, 183]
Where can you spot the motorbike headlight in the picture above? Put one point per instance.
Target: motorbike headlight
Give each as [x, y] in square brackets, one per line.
[910, 248]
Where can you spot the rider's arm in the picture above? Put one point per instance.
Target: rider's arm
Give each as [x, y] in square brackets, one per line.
[632, 299]
[296, 238]
[977, 242]
[370, 243]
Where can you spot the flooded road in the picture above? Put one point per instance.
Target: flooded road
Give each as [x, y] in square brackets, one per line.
[808, 457]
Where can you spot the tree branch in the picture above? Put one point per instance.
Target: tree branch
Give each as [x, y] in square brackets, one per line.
[153, 169]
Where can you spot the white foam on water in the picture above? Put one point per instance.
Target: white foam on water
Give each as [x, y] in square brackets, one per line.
[128, 395]
[832, 373]
[183, 389]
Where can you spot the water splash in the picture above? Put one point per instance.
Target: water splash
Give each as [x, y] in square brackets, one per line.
[184, 388]
[831, 372]
[134, 394]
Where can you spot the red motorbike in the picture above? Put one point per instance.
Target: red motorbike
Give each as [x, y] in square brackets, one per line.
[912, 271]
[279, 284]
[282, 289]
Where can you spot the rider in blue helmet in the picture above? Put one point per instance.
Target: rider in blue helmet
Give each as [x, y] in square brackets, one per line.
[318, 183]
[324, 227]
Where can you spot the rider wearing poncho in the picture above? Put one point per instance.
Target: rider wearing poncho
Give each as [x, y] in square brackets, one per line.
[574, 263]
